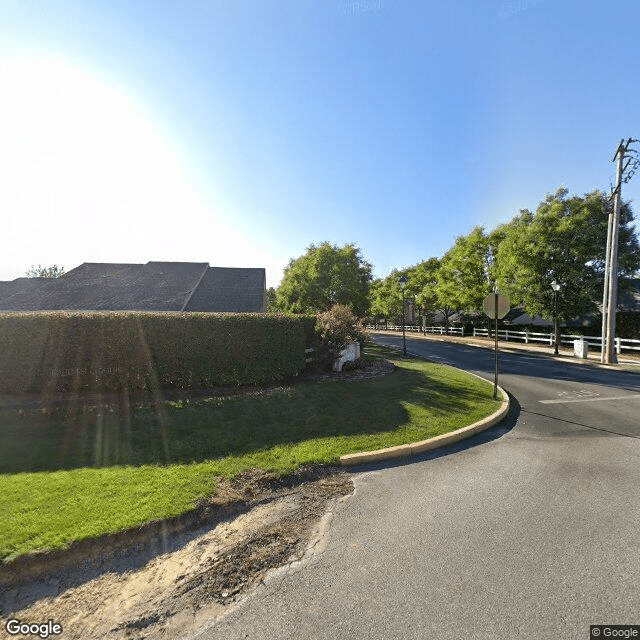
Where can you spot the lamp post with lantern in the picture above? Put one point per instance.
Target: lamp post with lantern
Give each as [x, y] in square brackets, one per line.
[556, 287]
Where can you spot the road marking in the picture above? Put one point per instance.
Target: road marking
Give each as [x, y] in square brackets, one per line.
[581, 393]
[563, 400]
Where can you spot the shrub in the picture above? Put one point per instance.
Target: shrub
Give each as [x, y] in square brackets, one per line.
[68, 351]
[338, 327]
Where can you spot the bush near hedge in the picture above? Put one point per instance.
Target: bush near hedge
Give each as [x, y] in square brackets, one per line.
[328, 332]
[68, 351]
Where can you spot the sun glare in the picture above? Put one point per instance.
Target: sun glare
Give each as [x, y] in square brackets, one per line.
[70, 143]
[85, 177]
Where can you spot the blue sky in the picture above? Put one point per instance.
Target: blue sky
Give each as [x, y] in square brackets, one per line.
[239, 132]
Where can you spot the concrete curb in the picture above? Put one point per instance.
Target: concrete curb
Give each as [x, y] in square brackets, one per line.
[406, 450]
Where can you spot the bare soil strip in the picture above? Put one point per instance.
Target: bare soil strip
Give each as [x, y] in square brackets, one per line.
[169, 585]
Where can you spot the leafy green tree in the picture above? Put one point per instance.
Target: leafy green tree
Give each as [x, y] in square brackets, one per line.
[464, 275]
[324, 276]
[272, 303]
[423, 282]
[386, 295]
[381, 301]
[54, 271]
[565, 240]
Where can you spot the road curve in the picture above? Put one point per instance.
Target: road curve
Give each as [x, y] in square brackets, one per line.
[529, 530]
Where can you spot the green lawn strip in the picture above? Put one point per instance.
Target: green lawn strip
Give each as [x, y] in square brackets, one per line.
[48, 510]
[109, 469]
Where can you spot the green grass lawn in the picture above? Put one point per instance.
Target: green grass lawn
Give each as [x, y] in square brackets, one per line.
[79, 471]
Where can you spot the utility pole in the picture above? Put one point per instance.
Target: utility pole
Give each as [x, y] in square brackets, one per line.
[610, 295]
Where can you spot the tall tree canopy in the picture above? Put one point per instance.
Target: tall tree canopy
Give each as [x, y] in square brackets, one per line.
[423, 282]
[386, 295]
[463, 279]
[565, 240]
[326, 275]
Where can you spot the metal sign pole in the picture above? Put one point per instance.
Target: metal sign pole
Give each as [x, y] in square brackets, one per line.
[496, 306]
[495, 382]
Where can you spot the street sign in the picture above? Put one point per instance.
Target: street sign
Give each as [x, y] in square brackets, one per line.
[496, 307]
[489, 305]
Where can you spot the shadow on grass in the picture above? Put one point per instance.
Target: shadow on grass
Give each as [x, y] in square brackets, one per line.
[488, 435]
[204, 428]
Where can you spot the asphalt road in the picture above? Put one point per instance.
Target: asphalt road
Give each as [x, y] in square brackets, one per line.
[530, 530]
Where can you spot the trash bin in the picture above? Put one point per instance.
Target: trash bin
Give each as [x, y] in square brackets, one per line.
[580, 348]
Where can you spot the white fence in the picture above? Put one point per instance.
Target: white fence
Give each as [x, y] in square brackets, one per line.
[621, 344]
[452, 331]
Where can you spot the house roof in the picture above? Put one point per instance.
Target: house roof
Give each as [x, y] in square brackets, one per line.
[538, 321]
[223, 288]
[629, 299]
[154, 286]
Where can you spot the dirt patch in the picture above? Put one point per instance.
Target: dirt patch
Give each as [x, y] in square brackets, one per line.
[175, 582]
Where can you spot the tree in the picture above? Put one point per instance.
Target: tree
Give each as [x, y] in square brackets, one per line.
[565, 240]
[54, 271]
[423, 279]
[464, 276]
[326, 275]
[380, 303]
[386, 295]
[422, 284]
[272, 304]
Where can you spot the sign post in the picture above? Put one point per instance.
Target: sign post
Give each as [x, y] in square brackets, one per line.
[496, 306]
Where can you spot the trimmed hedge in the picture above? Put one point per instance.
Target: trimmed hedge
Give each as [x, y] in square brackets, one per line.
[94, 350]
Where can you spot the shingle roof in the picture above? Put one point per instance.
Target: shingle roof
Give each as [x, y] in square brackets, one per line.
[229, 289]
[155, 286]
[538, 321]
[629, 299]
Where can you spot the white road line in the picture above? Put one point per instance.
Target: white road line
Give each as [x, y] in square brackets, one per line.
[562, 400]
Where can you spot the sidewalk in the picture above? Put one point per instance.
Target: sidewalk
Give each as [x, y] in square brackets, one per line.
[625, 362]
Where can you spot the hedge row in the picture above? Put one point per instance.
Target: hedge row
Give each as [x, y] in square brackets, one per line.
[68, 351]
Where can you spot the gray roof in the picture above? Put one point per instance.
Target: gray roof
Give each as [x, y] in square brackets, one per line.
[538, 321]
[629, 300]
[154, 286]
[224, 288]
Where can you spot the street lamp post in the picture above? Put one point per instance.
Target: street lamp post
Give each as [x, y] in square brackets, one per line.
[403, 284]
[556, 287]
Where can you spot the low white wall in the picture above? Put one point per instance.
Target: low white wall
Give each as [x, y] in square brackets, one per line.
[349, 354]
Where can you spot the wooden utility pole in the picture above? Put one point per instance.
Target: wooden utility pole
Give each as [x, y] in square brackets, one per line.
[607, 353]
[610, 295]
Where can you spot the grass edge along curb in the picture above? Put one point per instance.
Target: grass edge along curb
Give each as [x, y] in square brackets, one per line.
[443, 440]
